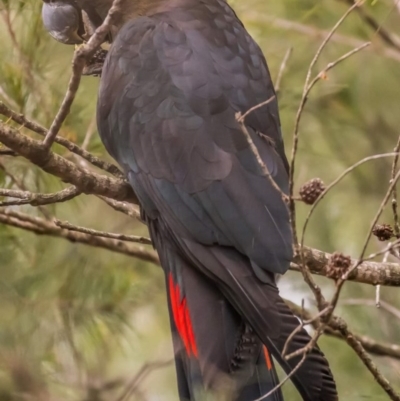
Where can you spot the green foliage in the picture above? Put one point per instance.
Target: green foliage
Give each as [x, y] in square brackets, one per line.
[74, 318]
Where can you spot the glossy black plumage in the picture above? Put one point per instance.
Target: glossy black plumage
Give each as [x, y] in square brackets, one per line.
[171, 86]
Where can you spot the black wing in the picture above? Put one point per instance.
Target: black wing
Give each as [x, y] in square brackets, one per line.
[171, 87]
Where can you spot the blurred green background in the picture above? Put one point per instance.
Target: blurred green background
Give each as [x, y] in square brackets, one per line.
[78, 323]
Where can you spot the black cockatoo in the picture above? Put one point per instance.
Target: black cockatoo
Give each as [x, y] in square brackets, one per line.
[176, 75]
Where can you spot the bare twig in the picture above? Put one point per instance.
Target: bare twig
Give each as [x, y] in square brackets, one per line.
[89, 133]
[379, 30]
[354, 342]
[282, 69]
[370, 345]
[81, 55]
[302, 324]
[394, 198]
[44, 227]
[144, 371]
[306, 90]
[123, 207]
[342, 326]
[368, 302]
[297, 123]
[120, 237]
[254, 150]
[282, 382]
[378, 214]
[317, 33]
[37, 128]
[334, 183]
[37, 199]
[20, 184]
[241, 117]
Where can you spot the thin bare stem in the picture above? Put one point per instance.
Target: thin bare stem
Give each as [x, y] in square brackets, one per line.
[144, 371]
[282, 382]
[126, 208]
[72, 147]
[334, 183]
[257, 156]
[282, 69]
[241, 117]
[96, 233]
[394, 198]
[81, 55]
[37, 199]
[306, 90]
[41, 226]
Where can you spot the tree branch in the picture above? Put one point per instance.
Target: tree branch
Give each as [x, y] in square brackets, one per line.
[40, 226]
[81, 55]
[370, 345]
[86, 181]
[372, 273]
[72, 147]
[36, 199]
[104, 234]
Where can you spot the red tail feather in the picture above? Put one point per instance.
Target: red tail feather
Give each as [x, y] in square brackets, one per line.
[182, 318]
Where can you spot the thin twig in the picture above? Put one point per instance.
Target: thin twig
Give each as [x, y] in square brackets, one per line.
[123, 207]
[20, 184]
[334, 183]
[370, 345]
[292, 208]
[368, 302]
[379, 30]
[81, 55]
[302, 324]
[144, 371]
[394, 198]
[340, 283]
[44, 227]
[306, 91]
[282, 69]
[96, 233]
[37, 199]
[354, 343]
[89, 133]
[72, 147]
[254, 150]
[316, 33]
[282, 382]
[298, 118]
[241, 117]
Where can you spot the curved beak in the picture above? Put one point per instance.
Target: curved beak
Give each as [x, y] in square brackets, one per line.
[63, 21]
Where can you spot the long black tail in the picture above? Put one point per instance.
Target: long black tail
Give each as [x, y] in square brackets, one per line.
[216, 352]
[260, 304]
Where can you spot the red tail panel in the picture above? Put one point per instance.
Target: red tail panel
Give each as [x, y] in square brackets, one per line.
[182, 318]
[267, 358]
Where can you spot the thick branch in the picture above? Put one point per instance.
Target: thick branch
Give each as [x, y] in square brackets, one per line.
[373, 273]
[86, 181]
[72, 147]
